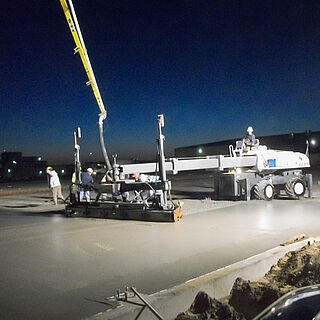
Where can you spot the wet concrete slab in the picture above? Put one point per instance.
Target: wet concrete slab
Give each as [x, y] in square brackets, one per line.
[53, 267]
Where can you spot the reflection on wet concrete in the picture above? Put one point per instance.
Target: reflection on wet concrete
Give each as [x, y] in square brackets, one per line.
[22, 206]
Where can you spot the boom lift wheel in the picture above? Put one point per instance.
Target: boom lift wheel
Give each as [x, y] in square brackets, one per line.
[295, 188]
[263, 190]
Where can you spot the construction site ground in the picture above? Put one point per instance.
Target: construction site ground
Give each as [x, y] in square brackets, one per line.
[53, 267]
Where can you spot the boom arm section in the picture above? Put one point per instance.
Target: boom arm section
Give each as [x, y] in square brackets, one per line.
[80, 48]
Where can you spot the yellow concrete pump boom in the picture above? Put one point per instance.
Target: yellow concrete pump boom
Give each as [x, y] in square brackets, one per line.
[80, 48]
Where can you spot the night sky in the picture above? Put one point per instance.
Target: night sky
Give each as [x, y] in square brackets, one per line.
[211, 67]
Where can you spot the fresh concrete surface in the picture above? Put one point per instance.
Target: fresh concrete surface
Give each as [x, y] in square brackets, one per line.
[54, 267]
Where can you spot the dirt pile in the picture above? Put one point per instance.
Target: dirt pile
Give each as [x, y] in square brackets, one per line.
[204, 307]
[295, 270]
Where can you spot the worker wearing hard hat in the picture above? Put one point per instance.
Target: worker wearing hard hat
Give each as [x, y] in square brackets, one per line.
[54, 184]
[250, 139]
[87, 182]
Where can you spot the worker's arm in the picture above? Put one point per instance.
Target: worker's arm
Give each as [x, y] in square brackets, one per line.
[48, 181]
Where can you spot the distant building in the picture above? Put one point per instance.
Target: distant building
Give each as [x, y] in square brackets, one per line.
[16, 167]
[291, 141]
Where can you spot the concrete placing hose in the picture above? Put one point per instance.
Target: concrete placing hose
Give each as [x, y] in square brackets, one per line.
[103, 146]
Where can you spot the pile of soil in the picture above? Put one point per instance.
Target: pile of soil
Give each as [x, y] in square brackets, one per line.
[247, 299]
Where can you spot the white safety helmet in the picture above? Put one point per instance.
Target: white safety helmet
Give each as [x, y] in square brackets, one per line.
[90, 170]
[250, 129]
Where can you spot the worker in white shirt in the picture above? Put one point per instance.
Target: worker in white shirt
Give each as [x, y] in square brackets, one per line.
[54, 184]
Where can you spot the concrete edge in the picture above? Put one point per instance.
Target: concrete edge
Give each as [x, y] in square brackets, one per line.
[170, 302]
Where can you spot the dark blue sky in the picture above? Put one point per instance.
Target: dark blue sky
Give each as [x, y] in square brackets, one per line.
[211, 67]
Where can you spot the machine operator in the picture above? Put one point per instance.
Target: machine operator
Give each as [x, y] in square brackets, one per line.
[250, 139]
